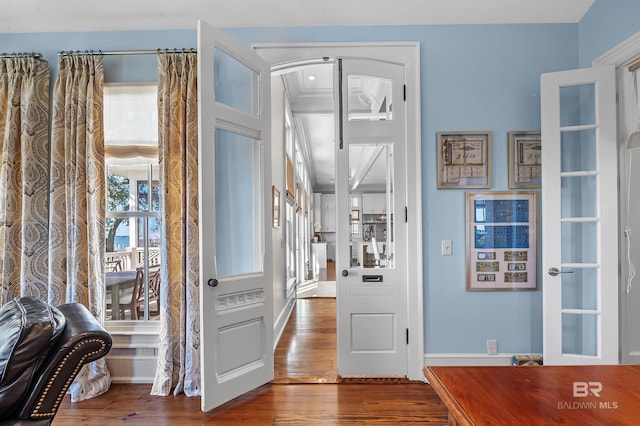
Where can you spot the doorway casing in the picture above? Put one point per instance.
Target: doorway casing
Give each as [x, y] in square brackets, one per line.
[407, 54]
[618, 56]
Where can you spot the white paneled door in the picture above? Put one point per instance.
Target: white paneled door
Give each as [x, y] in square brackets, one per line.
[236, 313]
[579, 217]
[372, 262]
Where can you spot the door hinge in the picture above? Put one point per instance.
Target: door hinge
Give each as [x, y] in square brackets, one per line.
[404, 92]
[406, 214]
[407, 336]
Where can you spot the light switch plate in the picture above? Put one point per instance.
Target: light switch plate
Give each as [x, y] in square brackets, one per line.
[446, 248]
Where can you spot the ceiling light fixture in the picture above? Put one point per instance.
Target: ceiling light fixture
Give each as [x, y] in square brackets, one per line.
[311, 77]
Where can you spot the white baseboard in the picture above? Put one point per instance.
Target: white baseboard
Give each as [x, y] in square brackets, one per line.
[463, 360]
[132, 368]
[281, 322]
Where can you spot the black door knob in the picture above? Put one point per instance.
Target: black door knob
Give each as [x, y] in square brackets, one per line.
[345, 273]
[212, 282]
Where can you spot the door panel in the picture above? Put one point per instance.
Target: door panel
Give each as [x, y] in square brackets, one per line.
[236, 312]
[579, 227]
[371, 245]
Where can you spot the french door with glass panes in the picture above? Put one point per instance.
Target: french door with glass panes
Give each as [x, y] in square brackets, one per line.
[371, 262]
[579, 217]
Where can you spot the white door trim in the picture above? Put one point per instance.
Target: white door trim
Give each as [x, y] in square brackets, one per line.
[621, 53]
[618, 56]
[408, 55]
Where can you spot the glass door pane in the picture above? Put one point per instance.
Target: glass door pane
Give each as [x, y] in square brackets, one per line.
[580, 224]
[371, 179]
[238, 222]
[234, 83]
[369, 98]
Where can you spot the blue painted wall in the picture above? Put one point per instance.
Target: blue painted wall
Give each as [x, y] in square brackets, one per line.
[605, 25]
[473, 77]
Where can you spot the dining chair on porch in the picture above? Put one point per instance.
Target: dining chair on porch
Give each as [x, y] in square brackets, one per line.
[132, 299]
[153, 296]
[128, 295]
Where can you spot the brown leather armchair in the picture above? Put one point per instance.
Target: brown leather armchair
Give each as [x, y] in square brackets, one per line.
[42, 349]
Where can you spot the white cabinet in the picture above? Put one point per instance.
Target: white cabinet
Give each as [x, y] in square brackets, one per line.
[317, 212]
[319, 255]
[328, 219]
[374, 204]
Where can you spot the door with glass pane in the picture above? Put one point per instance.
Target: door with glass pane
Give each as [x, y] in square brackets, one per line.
[579, 217]
[371, 228]
[236, 313]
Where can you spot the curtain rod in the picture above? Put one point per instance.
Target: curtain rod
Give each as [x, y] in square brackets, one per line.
[124, 52]
[22, 55]
[634, 65]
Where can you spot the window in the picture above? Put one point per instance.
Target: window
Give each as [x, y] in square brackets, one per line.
[133, 212]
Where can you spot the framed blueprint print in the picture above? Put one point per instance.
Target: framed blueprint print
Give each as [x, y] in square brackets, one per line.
[502, 240]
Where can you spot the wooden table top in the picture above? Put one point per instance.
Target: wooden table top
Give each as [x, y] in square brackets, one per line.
[533, 395]
[120, 277]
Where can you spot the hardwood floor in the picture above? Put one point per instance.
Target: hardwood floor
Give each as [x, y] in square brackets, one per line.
[317, 289]
[306, 356]
[306, 352]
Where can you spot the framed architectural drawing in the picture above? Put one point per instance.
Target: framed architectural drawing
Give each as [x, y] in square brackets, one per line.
[502, 240]
[524, 159]
[464, 160]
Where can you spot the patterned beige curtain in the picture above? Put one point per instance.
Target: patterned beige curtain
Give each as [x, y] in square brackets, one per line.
[77, 201]
[24, 175]
[179, 356]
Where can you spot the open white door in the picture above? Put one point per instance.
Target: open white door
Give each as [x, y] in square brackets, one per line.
[236, 312]
[371, 257]
[579, 217]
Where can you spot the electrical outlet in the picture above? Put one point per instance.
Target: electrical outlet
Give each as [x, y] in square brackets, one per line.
[492, 347]
[446, 248]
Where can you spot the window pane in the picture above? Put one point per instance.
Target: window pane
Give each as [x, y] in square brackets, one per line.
[143, 196]
[580, 289]
[580, 242]
[133, 207]
[237, 195]
[117, 189]
[580, 334]
[577, 105]
[369, 98]
[371, 174]
[578, 195]
[578, 151]
[234, 83]
[118, 235]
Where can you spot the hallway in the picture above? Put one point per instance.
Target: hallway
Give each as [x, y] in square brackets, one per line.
[306, 352]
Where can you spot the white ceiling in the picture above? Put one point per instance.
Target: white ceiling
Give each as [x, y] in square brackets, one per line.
[18, 16]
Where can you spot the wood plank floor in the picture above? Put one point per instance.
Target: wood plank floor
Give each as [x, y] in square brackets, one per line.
[306, 352]
[306, 356]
